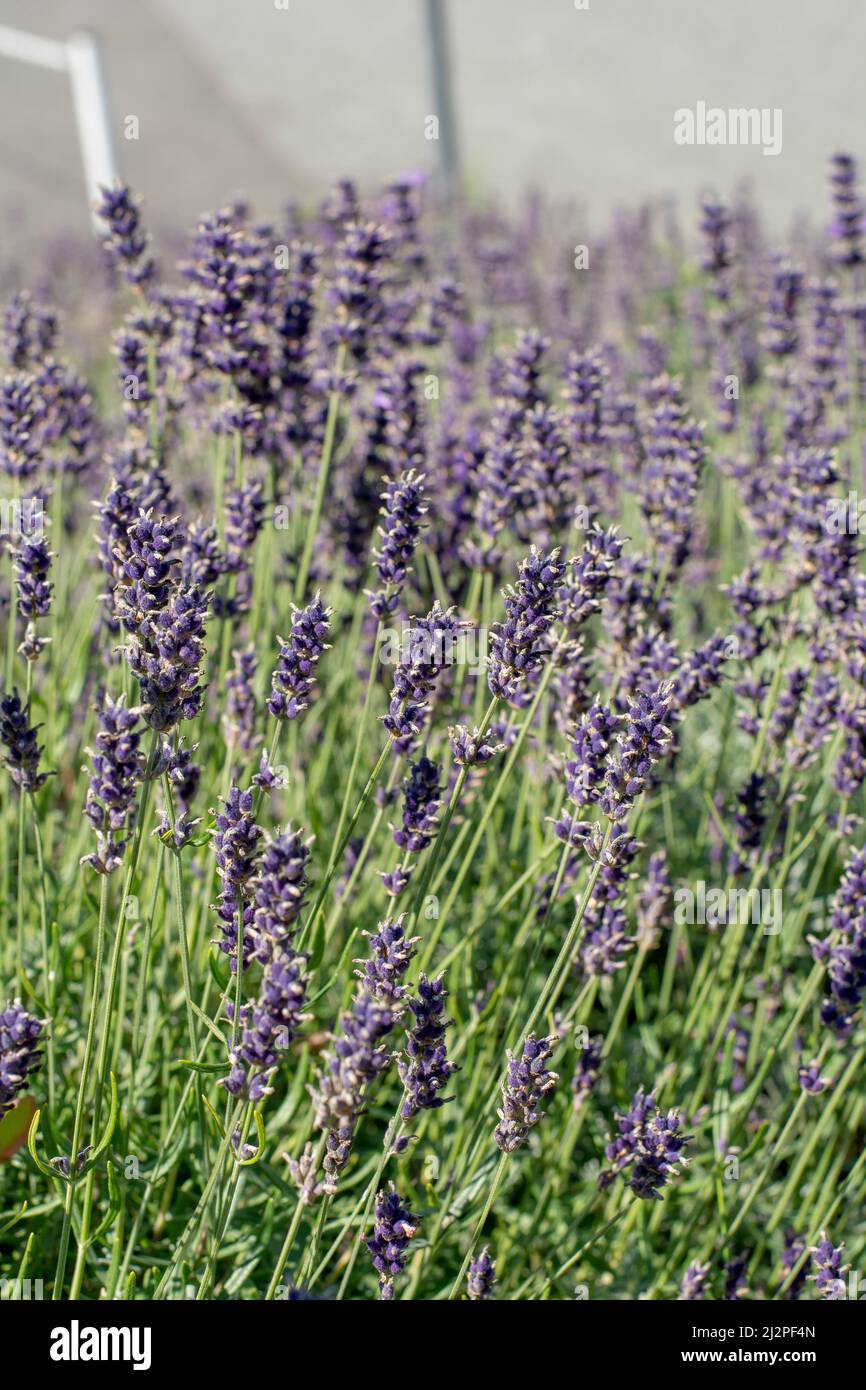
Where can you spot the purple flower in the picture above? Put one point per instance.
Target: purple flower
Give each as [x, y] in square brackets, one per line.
[383, 970]
[642, 742]
[19, 738]
[166, 653]
[201, 559]
[844, 954]
[517, 644]
[587, 577]
[269, 1027]
[584, 386]
[357, 1055]
[124, 239]
[718, 258]
[481, 1277]
[701, 673]
[20, 1035]
[221, 314]
[654, 901]
[428, 1070]
[585, 769]
[426, 653]
[587, 1071]
[471, 748]
[356, 291]
[244, 518]
[32, 562]
[847, 228]
[394, 1227]
[695, 1283]
[29, 332]
[792, 1255]
[527, 1082]
[829, 1278]
[403, 512]
[735, 1278]
[280, 890]
[781, 334]
[420, 806]
[292, 681]
[648, 1146]
[22, 416]
[671, 474]
[236, 843]
[811, 1080]
[116, 771]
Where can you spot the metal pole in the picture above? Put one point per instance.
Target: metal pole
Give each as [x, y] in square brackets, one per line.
[80, 57]
[32, 48]
[440, 75]
[92, 114]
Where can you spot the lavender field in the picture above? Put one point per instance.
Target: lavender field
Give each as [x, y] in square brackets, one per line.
[434, 728]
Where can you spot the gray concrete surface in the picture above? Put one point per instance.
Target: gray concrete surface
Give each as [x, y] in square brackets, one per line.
[240, 96]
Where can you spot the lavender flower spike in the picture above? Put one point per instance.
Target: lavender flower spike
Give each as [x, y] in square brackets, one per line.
[236, 842]
[403, 511]
[584, 772]
[292, 681]
[20, 1034]
[32, 561]
[421, 805]
[280, 891]
[270, 1026]
[470, 748]
[695, 1281]
[481, 1277]
[394, 1227]
[641, 743]
[428, 1069]
[517, 644]
[845, 959]
[357, 1055]
[526, 1083]
[830, 1278]
[649, 1143]
[123, 238]
[23, 749]
[116, 772]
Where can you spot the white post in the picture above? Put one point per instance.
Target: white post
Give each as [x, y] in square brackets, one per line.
[92, 114]
[81, 58]
[32, 48]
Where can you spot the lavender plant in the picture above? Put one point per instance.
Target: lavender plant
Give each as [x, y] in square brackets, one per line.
[614, 770]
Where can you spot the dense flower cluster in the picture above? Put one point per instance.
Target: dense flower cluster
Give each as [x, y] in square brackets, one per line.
[358, 1055]
[517, 644]
[394, 1228]
[117, 764]
[648, 1147]
[300, 653]
[21, 745]
[829, 1278]
[427, 1070]
[236, 838]
[481, 1277]
[20, 1036]
[403, 512]
[527, 1081]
